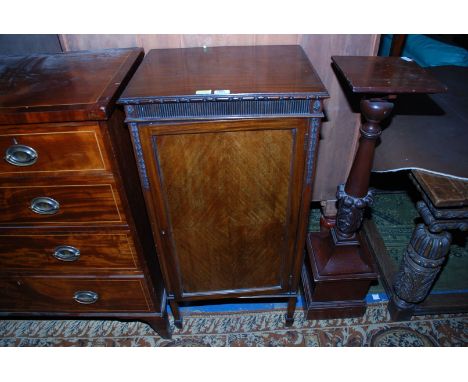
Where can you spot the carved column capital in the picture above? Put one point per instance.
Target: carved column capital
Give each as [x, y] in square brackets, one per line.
[350, 211]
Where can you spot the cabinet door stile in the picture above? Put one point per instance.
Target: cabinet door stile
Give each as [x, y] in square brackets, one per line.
[158, 213]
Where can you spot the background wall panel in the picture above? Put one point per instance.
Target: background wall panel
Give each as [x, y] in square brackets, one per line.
[72, 42]
[341, 129]
[29, 43]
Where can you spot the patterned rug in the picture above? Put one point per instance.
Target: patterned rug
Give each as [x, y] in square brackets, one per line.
[261, 328]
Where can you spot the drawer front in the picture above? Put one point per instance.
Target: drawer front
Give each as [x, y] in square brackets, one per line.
[43, 150]
[41, 294]
[63, 204]
[70, 252]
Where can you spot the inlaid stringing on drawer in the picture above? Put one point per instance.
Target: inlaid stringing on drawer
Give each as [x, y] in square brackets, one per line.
[30, 294]
[37, 150]
[68, 252]
[77, 204]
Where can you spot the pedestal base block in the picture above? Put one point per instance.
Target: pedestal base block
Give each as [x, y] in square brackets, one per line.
[336, 278]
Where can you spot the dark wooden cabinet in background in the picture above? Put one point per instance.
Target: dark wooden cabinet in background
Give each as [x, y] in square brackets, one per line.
[74, 234]
[226, 141]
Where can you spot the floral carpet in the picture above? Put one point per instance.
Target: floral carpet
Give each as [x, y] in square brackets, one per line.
[248, 328]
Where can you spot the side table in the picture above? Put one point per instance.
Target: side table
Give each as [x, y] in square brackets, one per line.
[339, 268]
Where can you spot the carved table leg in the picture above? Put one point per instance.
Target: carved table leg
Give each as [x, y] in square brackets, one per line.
[341, 265]
[419, 267]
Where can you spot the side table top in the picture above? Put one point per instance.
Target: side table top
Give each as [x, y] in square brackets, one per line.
[386, 75]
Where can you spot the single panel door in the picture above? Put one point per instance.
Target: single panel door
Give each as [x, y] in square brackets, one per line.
[226, 197]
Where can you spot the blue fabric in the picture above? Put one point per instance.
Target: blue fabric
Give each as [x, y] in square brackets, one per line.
[427, 51]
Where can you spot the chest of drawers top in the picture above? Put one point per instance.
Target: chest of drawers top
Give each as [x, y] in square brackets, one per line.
[76, 86]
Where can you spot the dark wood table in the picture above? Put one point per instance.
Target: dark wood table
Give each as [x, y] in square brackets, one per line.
[339, 268]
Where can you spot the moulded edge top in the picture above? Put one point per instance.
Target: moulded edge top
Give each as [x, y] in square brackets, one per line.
[175, 75]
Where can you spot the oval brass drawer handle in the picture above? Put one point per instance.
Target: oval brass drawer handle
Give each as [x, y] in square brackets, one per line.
[21, 155]
[44, 205]
[86, 297]
[66, 253]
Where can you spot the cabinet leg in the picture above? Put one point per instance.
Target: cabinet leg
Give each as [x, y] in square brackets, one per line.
[159, 325]
[176, 313]
[419, 268]
[290, 312]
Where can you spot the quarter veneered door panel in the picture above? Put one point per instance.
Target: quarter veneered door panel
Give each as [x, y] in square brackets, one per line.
[228, 198]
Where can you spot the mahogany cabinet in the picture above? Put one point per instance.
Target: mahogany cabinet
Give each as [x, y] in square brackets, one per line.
[74, 233]
[226, 139]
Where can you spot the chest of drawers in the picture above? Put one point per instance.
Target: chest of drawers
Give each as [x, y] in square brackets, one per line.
[74, 234]
[226, 140]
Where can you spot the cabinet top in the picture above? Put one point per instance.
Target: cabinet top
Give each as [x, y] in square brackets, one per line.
[63, 87]
[223, 72]
[386, 75]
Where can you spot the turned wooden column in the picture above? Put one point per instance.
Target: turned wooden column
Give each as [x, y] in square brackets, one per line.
[355, 196]
[342, 266]
[339, 268]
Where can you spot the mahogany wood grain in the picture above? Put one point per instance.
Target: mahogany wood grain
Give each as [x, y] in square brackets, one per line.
[227, 178]
[72, 87]
[117, 137]
[99, 251]
[57, 294]
[386, 75]
[240, 70]
[79, 204]
[230, 225]
[242, 221]
[60, 148]
[88, 167]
